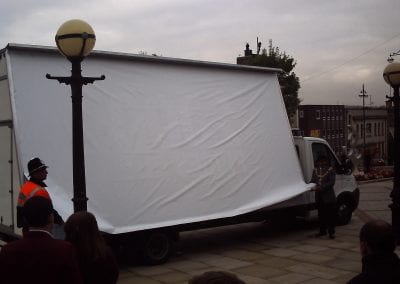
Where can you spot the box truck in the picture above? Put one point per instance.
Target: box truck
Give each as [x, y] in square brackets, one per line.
[170, 145]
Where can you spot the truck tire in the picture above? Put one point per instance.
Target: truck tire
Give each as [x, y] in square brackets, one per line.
[157, 247]
[344, 211]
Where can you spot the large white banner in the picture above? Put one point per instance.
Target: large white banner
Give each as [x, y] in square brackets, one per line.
[165, 144]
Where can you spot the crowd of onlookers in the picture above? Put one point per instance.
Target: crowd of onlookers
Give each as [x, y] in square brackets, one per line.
[83, 257]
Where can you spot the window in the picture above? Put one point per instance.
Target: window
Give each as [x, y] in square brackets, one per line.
[317, 114]
[320, 149]
[383, 129]
[301, 114]
[368, 131]
[315, 133]
[375, 133]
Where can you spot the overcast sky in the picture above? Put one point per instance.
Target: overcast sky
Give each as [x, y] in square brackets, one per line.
[338, 45]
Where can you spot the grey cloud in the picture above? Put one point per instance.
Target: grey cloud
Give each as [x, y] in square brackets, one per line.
[325, 37]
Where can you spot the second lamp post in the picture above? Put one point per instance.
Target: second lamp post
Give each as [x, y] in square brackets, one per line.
[75, 39]
[391, 74]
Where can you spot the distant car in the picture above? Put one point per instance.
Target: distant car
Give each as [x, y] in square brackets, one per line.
[377, 162]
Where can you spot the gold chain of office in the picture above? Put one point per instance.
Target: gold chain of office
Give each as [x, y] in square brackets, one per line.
[321, 176]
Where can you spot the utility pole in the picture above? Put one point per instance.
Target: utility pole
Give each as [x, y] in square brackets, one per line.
[363, 95]
[258, 46]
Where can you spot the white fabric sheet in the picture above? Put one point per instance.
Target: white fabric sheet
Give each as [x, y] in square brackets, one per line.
[165, 144]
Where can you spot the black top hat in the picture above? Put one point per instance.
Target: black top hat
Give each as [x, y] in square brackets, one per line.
[35, 164]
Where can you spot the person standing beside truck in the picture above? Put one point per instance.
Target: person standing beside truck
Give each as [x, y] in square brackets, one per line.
[35, 186]
[324, 177]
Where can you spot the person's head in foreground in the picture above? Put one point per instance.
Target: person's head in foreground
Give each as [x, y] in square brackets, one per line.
[38, 213]
[376, 237]
[216, 277]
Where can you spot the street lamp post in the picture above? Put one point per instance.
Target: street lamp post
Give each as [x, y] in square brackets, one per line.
[391, 75]
[75, 39]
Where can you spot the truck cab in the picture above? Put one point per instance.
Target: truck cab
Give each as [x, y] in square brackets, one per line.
[308, 150]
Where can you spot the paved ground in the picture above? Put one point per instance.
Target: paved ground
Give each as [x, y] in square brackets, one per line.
[263, 253]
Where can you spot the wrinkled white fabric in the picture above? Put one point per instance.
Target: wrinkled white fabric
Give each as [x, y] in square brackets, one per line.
[165, 144]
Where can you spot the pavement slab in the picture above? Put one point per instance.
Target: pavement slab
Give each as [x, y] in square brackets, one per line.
[309, 248]
[254, 246]
[222, 262]
[291, 278]
[345, 264]
[317, 270]
[340, 254]
[281, 252]
[186, 265]
[261, 271]
[253, 280]
[280, 243]
[312, 258]
[136, 279]
[149, 270]
[320, 281]
[172, 277]
[243, 254]
[276, 262]
[342, 245]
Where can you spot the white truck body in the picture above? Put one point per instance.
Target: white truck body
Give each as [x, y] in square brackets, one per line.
[167, 141]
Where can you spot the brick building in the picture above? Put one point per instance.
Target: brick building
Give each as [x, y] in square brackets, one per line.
[324, 121]
[343, 125]
[375, 131]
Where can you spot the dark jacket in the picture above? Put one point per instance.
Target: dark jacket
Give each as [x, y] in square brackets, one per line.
[325, 193]
[101, 271]
[39, 258]
[381, 269]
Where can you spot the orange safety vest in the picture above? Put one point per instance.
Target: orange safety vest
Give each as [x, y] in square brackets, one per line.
[30, 189]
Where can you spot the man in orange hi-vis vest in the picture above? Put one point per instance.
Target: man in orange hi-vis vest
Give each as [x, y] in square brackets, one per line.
[35, 186]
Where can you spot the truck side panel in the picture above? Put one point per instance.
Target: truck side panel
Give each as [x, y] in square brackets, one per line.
[6, 197]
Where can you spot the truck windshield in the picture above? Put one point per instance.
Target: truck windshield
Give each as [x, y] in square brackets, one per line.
[320, 149]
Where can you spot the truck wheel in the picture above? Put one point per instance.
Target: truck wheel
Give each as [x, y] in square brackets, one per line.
[157, 247]
[344, 212]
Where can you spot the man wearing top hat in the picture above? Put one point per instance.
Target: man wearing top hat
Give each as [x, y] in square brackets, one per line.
[35, 186]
